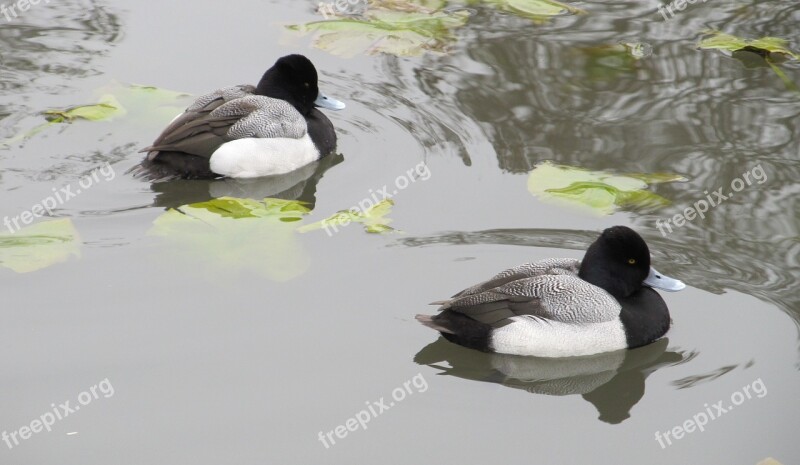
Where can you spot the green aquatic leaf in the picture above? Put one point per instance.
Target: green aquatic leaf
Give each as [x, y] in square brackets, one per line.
[146, 105]
[374, 219]
[107, 108]
[599, 192]
[409, 5]
[240, 234]
[230, 207]
[765, 46]
[537, 10]
[769, 461]
[773, 51]
[381, 30]
[39, 246]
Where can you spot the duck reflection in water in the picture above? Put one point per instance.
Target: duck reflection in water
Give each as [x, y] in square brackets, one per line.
[300, 184]
[613, 382]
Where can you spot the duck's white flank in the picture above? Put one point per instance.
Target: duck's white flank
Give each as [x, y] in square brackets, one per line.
[529, 335]
[256, 157]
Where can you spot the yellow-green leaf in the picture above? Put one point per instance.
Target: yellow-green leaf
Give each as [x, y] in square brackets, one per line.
[374, 219]
[769, 461]
[537, 10]
[107, 108]
[238, 234]
[382, 30]
[598, 192]
[766, 45]
[146, 105]
[39, 246]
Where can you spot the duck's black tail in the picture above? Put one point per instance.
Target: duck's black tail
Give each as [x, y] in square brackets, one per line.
[460, 329]
[167, 166]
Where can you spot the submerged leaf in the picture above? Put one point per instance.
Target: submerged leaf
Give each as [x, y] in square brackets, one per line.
[537, 10]
[769, 461]
[242, 234]
[772, 50]
[144, 103]
[39, 246]
[382, 30]
[765, 46]
[374, 219]
[147, 105]
[602, 192]
[106, 109]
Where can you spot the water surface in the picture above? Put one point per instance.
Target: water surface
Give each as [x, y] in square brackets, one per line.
[243, 344]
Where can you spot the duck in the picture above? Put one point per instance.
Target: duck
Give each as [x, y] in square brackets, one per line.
[562, 307]
[247, 131]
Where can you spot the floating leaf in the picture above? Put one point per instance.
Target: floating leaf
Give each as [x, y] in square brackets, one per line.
[537, 10]
[638, 50]
[39, 246]
[602, 192]
[607, 62]
[773, 50]
[239, 233]
[765, 46]
[107, 108]
[147, 104]
[382, 30]
[374, 219]
[769, 461]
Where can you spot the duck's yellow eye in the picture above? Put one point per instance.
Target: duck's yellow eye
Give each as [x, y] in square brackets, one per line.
[307, 84]
[632, 261]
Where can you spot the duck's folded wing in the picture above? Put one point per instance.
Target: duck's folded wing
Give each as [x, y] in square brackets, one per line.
[214, 99]
[563, 298]
[200, 108]
[201, 131]
[549, 266]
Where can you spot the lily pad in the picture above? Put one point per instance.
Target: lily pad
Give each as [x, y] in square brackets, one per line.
[374, 219]
[107, 108]
[765, 46]
[147, 105]
[598, 192]
[537, 10]
[409, 32]
[39, 246]
[772, 50]
[240, 234]
[769, 461]
[144, 103]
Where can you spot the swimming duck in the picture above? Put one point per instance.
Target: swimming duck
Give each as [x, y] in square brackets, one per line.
[564, 307]
[245, 131]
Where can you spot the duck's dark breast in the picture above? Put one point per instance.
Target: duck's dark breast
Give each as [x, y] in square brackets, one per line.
[644, 316]
[321, 131]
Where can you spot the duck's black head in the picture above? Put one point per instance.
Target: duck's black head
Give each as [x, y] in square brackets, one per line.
[618, 261]
[294, 78]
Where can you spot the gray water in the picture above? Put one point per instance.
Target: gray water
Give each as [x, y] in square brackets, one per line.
[243, 344]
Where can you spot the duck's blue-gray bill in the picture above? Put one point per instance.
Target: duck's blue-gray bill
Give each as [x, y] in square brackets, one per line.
[323, 101]
[657, 280]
